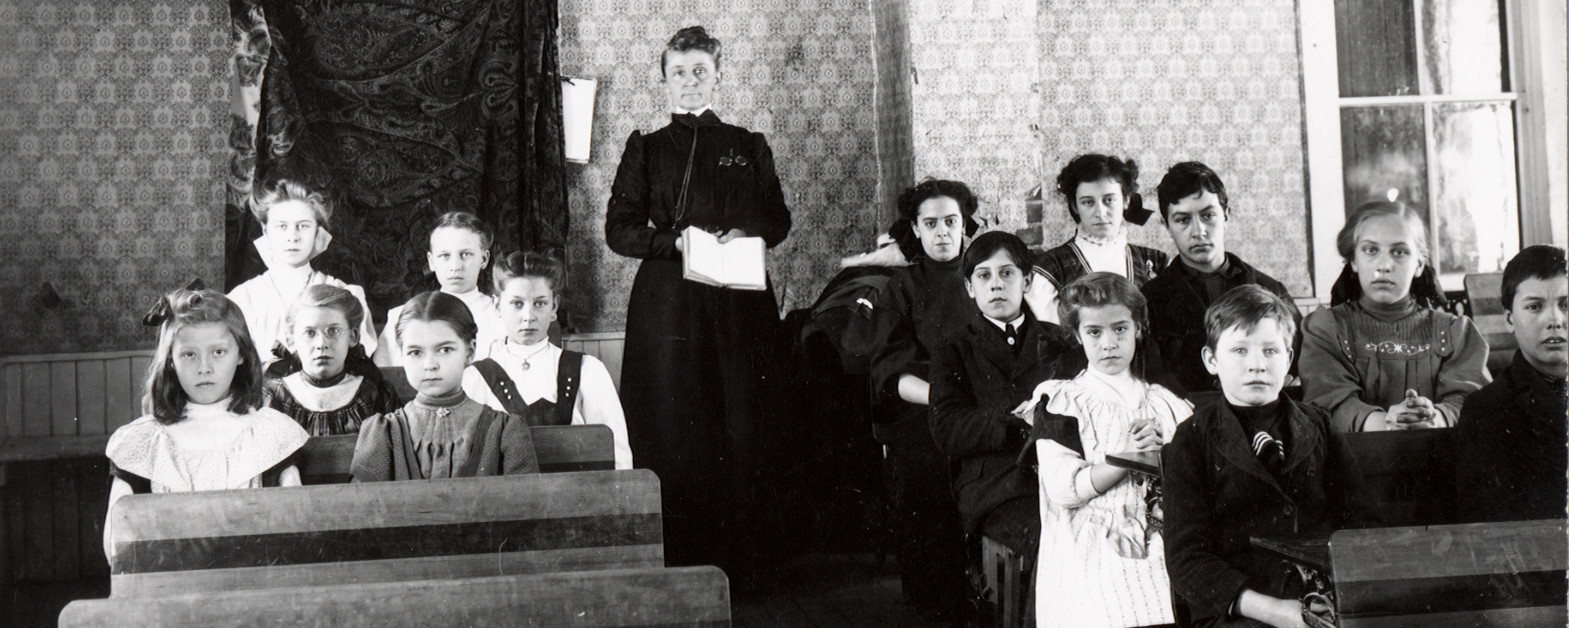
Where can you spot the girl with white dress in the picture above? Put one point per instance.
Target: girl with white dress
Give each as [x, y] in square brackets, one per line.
[1102, 556]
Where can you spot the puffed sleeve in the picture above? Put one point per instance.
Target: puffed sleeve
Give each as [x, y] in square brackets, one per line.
[769, 219]
[1462, 372]
[1062, 476]
[963, 425]
[1198, 574]
[598, 404]
[627, 228]
[1329, 379]
[517, 447]
[373, 451]
[1042, 297]
[368, 337]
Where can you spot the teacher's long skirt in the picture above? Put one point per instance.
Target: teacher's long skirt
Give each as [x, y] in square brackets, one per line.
[692, 383]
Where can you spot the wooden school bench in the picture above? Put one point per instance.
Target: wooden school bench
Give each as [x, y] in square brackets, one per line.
[686, 596]
[175, 543]
[56, 414]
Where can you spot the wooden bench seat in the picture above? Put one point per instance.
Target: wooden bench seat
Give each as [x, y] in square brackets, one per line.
[687, 596]
[376, 532]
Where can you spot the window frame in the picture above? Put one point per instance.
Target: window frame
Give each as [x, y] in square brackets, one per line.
[1321, 134]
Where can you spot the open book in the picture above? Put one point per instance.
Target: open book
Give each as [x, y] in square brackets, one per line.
[734, 264]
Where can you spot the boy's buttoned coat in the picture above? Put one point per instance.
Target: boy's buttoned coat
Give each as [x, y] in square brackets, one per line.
[1217, 494]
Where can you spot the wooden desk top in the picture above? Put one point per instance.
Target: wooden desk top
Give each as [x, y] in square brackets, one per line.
[1307, 552]
[1147, 462]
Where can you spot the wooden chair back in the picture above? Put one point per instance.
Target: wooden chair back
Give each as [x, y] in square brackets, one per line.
[559, 448]
[173, 543]
[1482, 291]
[686, 596]
[1409, 474]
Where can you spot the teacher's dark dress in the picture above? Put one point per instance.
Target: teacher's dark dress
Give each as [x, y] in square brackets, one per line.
[695, 354]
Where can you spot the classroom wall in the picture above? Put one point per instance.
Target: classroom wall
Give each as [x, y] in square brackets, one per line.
[112, 126]
[801, 72]
[1011, 90]
[895, 117]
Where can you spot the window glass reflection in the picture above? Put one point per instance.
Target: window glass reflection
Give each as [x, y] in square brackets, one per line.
[1475, 199]
[1463, 46]
[1384, 154]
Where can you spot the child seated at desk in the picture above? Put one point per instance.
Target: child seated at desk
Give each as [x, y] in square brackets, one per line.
[1512, 463]
[529, 376]
[441, 433]
[1259, 464]
[1100, 528]
[325, 382]
[981, 375]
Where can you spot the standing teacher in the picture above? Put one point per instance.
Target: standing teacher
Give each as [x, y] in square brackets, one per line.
[695, 354]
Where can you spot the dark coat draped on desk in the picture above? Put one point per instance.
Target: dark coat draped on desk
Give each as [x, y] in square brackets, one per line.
[695, 355]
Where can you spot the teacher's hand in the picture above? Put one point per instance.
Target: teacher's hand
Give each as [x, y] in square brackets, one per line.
[681, 244]
[731, 235]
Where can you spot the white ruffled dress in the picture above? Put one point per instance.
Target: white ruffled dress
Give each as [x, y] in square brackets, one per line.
[143, 448]
[1098, 567]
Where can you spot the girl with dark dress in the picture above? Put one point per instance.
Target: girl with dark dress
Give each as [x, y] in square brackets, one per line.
[695, 354]
[1102, 193]
[325, 382]
[922, 304]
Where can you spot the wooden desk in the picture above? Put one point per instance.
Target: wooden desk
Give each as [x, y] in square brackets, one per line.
[1475, 574]
[1313, 553]
[684, 596]
[172, 543]
[1146, 462]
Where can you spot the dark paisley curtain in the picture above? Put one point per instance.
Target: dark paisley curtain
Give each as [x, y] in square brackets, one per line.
[400, 112]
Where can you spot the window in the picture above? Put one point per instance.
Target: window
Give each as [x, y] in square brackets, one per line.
[1413, 100]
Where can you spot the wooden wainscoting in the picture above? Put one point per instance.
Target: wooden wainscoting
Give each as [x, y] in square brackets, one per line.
[56, 415]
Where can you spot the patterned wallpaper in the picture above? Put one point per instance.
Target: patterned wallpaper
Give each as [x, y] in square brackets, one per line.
[111, 142]
[1164, 81]
[895, 134]
[111, 134]
[974, 99]
[801, 72]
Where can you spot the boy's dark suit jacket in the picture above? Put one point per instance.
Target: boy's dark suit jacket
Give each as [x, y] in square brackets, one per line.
[1217, 494]
[977, 379]
[1176, 313]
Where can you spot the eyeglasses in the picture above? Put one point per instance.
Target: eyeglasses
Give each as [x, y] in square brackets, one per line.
[331, 333]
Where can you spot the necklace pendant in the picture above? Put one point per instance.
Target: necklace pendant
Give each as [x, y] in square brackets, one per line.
[525, 365]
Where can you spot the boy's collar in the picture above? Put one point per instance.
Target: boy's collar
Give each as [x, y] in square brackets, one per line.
[1017, 321]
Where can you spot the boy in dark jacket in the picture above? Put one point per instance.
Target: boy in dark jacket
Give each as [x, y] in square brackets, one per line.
[1512, 466]
[1258, 464]
[983, 373]
[1195, 210]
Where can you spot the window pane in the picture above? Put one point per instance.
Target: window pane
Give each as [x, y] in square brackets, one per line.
[1476, 199]
[1384, 154]
[1464, 46]
[1375, 41]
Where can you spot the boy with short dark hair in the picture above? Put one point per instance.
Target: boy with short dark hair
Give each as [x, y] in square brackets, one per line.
[1195, 210]
[1259, 464]
[1513, 464]
[983, 373]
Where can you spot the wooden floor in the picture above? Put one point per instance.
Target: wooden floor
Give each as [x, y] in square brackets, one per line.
[816, 590]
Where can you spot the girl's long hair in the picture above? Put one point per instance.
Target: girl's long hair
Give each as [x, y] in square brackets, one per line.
[1425, 289]
[164, 398]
